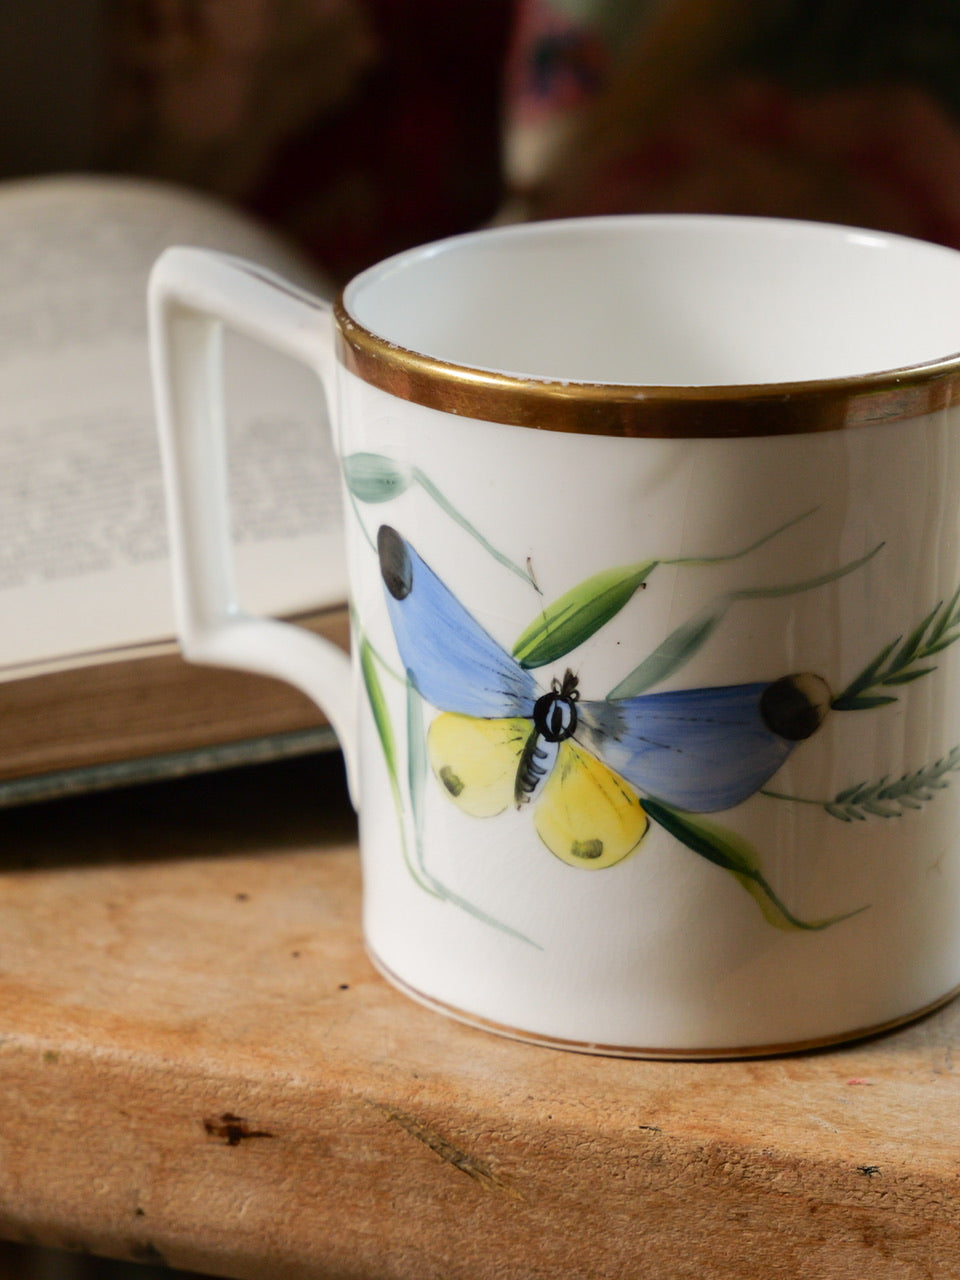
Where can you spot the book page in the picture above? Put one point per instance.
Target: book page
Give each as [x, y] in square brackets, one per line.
[83, 549]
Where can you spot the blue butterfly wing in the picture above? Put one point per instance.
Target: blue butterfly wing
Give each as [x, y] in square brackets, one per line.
[455, 664]
[702, 750]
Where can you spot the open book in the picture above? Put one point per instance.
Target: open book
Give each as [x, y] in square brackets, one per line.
[92, 688]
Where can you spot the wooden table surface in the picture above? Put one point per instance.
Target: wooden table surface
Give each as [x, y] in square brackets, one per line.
[199, 1065]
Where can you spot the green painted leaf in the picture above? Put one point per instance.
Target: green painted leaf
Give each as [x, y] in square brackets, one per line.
[911, 645]
[936, 646]
[691, 635]
[860, 702]
[898, 665]
[679, 646]
[950, 616]
[880, 810]
[835, 811]
[849, 793]
[867, 676]
[579, 614]
[730, 851]
[378, 705]
[371, 477]
[908, 677]
[384, 725]
[417, 763]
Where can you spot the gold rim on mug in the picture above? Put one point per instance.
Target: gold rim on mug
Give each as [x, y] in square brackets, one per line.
[674, 1055]
[762, 409]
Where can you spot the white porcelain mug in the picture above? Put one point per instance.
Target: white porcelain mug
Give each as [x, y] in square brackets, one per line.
[652, 719]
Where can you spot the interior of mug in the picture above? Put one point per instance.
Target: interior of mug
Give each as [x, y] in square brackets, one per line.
[669, 301]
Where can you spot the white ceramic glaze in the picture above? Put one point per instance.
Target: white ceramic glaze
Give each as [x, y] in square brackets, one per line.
[688, 301]
[803, 552]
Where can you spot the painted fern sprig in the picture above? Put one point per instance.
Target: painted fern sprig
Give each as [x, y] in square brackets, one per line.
[901, 662]
[886, 799]
[883, 798]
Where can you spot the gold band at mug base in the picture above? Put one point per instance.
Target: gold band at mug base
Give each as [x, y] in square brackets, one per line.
[656, 412]
[675, 1055]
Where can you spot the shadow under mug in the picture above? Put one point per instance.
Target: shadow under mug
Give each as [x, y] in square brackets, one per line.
[652, 717]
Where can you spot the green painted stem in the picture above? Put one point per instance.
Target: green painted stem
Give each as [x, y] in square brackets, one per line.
[429, 487]
[754, 546]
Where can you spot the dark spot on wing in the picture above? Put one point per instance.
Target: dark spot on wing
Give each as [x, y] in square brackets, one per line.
[395, 564]
[587, 849]
[450, 780]
[795, 706]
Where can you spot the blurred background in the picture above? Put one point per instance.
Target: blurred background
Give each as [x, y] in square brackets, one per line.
[360, 127]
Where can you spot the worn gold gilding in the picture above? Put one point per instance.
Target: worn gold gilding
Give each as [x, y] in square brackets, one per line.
[661, 412]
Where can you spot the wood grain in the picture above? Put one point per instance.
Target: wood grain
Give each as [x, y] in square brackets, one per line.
[198, 1064]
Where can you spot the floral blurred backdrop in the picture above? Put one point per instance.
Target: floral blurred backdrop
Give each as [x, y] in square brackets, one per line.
[363, 126]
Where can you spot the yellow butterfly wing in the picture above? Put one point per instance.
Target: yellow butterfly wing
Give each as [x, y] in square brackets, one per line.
[476, 760]
[588, 815]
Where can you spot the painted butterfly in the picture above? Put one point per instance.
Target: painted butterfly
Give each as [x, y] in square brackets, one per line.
[501, 739]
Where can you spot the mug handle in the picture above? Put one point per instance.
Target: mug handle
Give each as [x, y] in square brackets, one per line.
[192, 294]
